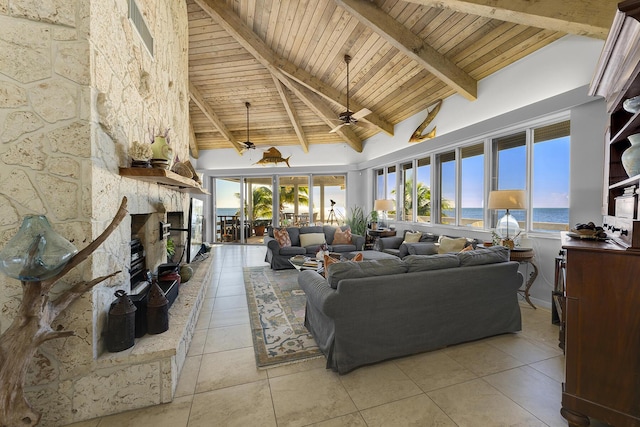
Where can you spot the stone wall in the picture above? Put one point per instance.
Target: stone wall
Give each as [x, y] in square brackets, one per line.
[77, 86]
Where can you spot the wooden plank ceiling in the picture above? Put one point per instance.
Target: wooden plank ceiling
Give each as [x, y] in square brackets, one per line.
[286, 58]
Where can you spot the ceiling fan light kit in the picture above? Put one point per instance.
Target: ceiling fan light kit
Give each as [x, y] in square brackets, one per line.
[348, 118]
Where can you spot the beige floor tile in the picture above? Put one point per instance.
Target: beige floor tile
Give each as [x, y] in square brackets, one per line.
[309, 397]
[534, 391]
[350, 420]
[228, 368]
[522, 349]
[434, 370]
[227, 303]
[89, 423]
[481, 358]
[413, 411]
[174, 414]
[319, 362]
[228, 338]
[230, 290]
[242, 405]
[553, 367]
[197, 342]
[476, 403]
[188, 376]
[234, 316]
[204, 318]
[378, 384]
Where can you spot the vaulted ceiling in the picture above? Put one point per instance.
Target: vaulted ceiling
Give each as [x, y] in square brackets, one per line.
[286, 58]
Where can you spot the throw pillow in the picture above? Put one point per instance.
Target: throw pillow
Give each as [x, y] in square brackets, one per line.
[447, 244]
[282, 236]
[427, 248]
[329, 260]
[412, 237]
[342, 237]
[310, 239]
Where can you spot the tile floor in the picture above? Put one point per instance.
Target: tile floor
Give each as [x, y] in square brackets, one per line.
[509, 380]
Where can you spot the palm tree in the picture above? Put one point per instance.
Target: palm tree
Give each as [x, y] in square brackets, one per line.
[423, 201]
[288, 196]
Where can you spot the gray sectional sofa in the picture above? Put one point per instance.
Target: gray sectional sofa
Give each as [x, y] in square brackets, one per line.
[395, 245]
[278, 258]
[376, 310]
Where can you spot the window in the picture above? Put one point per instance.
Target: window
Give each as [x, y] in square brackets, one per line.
[550, 186]
[534, 159]
[329, 200]
[423, 189]
[447, 168]
[406, 196]
[510, 171]
[293, 199]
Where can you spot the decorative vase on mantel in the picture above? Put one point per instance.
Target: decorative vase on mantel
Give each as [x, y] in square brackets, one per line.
[631, 156]
[162, 151]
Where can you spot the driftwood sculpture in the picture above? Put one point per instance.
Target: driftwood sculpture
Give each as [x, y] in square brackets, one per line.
[32, 327]
[417, 135]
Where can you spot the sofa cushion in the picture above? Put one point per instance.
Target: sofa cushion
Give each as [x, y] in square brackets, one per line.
[282, 236]
[448, 244]
[343, 248]
[491, 255]
[371, 268]
[342, 237]
[309, 239]
[426, 248]
[292, 250]
[412, 237]
[430, 262]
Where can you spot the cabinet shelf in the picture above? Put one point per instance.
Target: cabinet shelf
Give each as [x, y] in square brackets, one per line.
[625, 183]
[631, 127]
[164, 177]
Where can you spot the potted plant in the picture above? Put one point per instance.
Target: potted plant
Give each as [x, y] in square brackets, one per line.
[357, 221]
[374, 220]
[259, 225]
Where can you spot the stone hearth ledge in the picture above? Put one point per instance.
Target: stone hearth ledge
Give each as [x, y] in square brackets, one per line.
[147, 373]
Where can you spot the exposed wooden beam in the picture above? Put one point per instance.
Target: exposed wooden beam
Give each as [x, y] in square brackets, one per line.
[198, 99]
[193, 142]
[291, 112]
[590, 18]
[277, 65]
[322, 110]
[411, 45]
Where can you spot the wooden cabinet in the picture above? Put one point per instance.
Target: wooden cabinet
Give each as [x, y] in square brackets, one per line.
[602, 288]
[602, 342]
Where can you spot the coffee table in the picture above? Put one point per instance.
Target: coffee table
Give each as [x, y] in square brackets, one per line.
[306, 264]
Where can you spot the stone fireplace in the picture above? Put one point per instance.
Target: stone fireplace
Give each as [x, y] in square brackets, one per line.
[84, 88]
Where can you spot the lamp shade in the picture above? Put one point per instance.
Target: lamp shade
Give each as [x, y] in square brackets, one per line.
[507, 199]
[383, 205]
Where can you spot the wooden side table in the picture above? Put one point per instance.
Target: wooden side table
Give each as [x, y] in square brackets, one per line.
[526, 256]
[373, 235]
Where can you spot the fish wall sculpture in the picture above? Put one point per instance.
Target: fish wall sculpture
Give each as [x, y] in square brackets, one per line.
[272, 155]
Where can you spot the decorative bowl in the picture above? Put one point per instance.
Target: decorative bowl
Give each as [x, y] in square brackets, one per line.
[632, 105]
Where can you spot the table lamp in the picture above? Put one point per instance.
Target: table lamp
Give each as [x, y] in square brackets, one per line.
[383, 205]
[507, 227]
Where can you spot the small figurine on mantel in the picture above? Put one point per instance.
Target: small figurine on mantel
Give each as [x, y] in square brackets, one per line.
[140, 153]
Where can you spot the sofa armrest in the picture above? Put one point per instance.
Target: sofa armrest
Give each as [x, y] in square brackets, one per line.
[318, 292]
[358, 241]
[272, 244]
[393, 242]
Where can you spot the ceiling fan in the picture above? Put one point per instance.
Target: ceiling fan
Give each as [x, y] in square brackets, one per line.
[349, 118]
[248, 145]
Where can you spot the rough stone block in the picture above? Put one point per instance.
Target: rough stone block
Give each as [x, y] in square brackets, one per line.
[55, 100]
[12, 96]
[19, 123]
[61, 196]
[73, 139]
[18, 187]
[27, 153]
[52, 11]
[29, 42]
[72, 62]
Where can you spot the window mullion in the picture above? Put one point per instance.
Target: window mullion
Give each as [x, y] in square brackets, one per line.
[529, 181]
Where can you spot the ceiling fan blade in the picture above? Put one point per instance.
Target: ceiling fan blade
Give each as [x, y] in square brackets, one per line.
[336, 128]
[362, 113]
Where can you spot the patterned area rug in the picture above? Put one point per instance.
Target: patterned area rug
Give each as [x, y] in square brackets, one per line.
[276, 308]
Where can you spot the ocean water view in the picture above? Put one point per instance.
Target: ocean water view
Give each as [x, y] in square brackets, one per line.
[553, 215]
